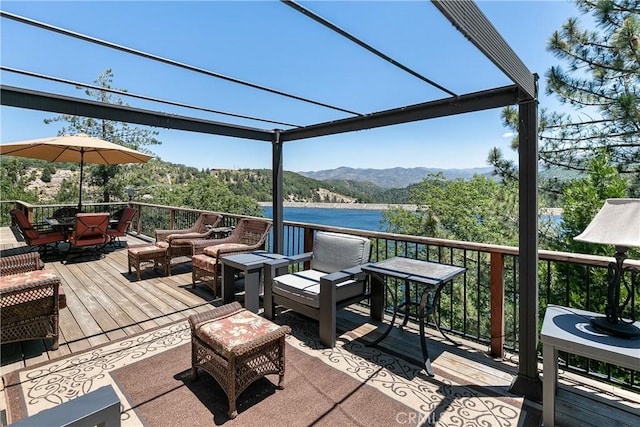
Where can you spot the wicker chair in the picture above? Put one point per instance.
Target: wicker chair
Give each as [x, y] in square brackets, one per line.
[202, 225]
[178, 242]
[249, 235]
[30, 299]
[37, 237]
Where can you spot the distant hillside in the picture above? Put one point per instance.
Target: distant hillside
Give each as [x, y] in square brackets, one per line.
[393, 177]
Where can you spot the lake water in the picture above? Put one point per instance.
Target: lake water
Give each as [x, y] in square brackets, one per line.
[363, 219]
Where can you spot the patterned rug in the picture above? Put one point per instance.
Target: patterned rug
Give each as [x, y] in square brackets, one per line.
[422, 400]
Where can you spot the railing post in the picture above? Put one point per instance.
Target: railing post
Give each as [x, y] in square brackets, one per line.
[139, 221]
[497, 304]
[172, 218]
[30, 214]
[308, 244]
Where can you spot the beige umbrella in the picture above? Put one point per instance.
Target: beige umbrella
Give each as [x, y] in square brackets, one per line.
[80, 148]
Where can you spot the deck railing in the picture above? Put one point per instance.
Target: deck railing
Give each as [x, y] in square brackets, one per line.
[480, 305]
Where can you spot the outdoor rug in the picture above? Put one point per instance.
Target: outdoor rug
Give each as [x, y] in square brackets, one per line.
[349, 385]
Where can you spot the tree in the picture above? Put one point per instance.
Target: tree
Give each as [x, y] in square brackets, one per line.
[601, 83]
[206, 193]
[477, 210]
[116, 132]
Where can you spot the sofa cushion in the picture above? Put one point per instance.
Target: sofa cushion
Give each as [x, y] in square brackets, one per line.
[215, 249]
[335, 252]
[304, 287]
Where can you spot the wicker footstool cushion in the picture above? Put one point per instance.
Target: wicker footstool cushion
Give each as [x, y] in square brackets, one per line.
[236, 347]
[148, 253]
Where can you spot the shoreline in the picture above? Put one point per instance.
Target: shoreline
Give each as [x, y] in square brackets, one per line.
[376, 206]
[354, 206]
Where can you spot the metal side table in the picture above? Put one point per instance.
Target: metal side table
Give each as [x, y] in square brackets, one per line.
[431, 275]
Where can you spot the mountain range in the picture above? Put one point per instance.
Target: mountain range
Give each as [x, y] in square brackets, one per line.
[393, 177]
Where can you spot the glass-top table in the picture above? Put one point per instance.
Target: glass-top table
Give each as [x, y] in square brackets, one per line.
[431, 276]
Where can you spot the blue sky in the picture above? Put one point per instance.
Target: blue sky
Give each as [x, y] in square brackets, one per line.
[270, 44]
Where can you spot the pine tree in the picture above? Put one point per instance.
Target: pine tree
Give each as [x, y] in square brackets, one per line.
[117, 132]
[600, 80]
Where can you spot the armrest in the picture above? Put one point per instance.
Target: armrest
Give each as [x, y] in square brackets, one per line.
[20, 263]
[188, 236]
[163, 234]
[39, 295]
[275, 264]
[353, 273]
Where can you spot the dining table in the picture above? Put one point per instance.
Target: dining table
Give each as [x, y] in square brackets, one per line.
[66, 224]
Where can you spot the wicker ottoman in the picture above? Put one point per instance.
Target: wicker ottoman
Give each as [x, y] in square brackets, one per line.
[139, 254]
[236, 347]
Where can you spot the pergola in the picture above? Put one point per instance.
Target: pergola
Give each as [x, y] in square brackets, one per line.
[467, 18]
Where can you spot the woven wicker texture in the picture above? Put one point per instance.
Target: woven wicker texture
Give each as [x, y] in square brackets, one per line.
[248, 236]
[238, 366]
[29, 300]
[178, 242]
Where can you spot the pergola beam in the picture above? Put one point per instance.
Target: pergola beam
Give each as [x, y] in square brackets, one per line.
[44, 101]
[484, 100]
[471, 22]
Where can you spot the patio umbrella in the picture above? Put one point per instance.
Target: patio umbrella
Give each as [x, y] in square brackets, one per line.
[80, 148]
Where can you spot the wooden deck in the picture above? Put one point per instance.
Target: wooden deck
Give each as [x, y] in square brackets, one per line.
[105, 303]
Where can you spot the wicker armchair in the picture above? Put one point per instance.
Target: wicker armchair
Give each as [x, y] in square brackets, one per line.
[30, 299]
[178, 242]
[202, 225]
[249, 235]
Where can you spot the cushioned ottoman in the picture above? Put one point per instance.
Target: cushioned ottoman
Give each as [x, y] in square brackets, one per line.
[236, 347]
[139, 254]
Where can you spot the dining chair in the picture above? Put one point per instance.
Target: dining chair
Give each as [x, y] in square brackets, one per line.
[89, 231]
[36, 237]
[125, 216]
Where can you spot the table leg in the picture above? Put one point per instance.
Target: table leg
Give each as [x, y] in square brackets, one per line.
[435, 304]
[550, 378]
[252, 289]
[228, 288]
[407, 304]
[377, 298]
[395, 311]
[422, 318]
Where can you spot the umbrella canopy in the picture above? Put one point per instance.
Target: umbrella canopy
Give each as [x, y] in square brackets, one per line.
[80, 148]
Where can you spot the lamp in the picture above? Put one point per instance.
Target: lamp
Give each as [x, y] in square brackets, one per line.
[617, 223]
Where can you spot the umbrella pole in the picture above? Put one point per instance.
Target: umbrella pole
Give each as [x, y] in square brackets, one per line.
[81, 172]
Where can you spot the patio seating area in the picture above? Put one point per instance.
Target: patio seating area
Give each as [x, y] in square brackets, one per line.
[106, 303]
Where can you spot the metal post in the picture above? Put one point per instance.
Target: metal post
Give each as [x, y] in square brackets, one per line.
[528, 383]
[276, 194]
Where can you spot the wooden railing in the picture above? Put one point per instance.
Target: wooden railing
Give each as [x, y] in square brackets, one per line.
[481, 305]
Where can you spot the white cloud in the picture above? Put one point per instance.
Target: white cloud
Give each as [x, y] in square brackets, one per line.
[508, 135]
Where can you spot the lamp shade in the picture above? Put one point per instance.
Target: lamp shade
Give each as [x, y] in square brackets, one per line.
[617, 223]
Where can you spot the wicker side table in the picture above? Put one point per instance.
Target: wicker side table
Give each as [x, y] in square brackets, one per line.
[138, 254]
[236, 347]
